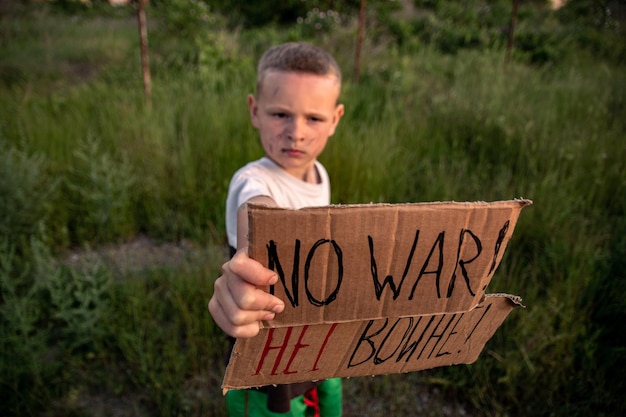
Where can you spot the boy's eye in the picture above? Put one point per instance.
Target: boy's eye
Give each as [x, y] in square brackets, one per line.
[280, 115]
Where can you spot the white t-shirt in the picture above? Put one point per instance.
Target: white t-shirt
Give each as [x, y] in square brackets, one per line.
[264, 177]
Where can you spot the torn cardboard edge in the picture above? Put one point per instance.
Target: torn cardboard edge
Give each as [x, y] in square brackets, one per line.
[375, 289]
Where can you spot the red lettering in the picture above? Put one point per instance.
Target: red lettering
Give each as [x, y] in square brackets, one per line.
[299, 345]
[268, 347]
[287, 345]
[319, 355]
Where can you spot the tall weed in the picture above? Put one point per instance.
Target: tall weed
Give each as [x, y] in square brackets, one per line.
[99, 192]
[23, 337]
[26, 192]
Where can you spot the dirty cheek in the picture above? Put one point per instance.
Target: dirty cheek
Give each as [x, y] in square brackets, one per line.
[282, 135]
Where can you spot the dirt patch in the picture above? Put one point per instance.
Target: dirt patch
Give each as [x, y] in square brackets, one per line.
[140, 254]
[80, 72]
[399, 395]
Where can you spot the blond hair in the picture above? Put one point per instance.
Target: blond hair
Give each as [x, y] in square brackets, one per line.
[297, 57]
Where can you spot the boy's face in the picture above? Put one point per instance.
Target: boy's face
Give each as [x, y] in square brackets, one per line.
[296, 114]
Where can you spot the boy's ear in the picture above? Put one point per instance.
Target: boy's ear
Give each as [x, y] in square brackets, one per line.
[339, 110]
[254, 110]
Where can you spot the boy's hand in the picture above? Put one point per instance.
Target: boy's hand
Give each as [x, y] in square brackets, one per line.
[237, 305]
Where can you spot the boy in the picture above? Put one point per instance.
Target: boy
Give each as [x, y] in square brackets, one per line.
[295, 110]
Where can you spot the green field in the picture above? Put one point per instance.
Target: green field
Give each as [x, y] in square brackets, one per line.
[86, 163]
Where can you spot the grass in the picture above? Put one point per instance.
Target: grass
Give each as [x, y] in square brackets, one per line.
[84, 162]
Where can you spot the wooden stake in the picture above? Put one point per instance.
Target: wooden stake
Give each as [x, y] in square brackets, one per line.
[359, 42]
[511, 37]
[143, 40]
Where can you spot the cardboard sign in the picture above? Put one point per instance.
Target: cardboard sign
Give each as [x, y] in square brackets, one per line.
[350, 275]
[345, 263]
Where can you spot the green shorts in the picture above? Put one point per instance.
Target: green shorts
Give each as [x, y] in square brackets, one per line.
[253, 403]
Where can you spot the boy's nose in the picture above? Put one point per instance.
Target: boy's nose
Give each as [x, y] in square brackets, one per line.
[296, 130]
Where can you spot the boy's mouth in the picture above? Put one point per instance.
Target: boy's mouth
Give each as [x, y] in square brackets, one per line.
[293, 152]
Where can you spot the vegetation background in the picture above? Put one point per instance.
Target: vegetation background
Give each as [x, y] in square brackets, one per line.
[89, 172]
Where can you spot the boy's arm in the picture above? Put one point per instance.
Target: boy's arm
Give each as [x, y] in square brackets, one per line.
[237, 305]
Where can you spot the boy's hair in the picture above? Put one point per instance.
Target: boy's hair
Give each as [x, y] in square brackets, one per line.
[297, 57]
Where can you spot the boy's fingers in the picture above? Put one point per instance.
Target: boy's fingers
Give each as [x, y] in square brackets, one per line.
[243, 275]
[224, 322]
[243, 302]
[237, 315]
[248, 269]
[248, 297]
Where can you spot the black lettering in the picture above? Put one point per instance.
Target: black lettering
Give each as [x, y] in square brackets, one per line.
[274, 264]
[368, 339]
[378, 287]
[501, 236]
[463, 262]
[478, 322]
[431, 336]
[410, 348]
[438, 244]
[434, 339]
[333, 295]
[377, 358]
[452, 332]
